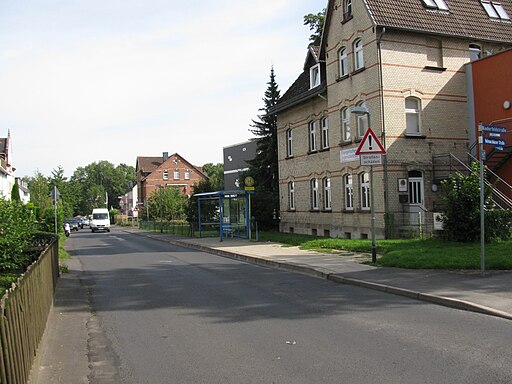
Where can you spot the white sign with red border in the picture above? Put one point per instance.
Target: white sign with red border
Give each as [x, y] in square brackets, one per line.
[370, 145]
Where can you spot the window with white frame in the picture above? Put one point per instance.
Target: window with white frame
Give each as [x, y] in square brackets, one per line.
[358, 54]
[289, 143]
[346, 134]
[325, 133]
[314, 193]
[314, 76]
[495, 10]
[347, 9]
[312, 135]
[291, 195]
[343, 62]
[187, 175]
[412, 116]
[364, 189]
[349, 192]
[165, 175]
[176, 175]
[435, 4]
[326, 186]
[362, 122]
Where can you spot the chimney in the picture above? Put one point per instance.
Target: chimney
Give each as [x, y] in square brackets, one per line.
[166, 156]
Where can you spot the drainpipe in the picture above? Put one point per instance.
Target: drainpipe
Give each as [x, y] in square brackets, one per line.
[387, 223]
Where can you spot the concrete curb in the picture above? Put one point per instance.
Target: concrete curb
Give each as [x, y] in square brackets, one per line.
[328, 275]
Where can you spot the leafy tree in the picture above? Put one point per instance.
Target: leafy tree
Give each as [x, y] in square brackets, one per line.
[167, 204]
[316, 24]
[16, 230]
[264, 167]
[96, 182]
[39, 188]
[215, 173]
[15, 192]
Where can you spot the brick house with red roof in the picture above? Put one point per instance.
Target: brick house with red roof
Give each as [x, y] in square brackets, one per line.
[164, 172]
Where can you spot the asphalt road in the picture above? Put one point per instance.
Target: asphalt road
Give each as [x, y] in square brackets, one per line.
[166, 314]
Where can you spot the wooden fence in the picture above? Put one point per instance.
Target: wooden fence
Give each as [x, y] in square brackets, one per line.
[24, 312]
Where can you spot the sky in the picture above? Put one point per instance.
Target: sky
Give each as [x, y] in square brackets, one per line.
[88, 80]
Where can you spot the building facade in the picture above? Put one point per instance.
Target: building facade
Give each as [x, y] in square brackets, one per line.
[7, 177]
[235, 162]
[490, 102]
[163, 172]
[404, 63]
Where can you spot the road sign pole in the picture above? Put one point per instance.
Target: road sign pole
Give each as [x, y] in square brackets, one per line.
[372, 210]
[482, 200]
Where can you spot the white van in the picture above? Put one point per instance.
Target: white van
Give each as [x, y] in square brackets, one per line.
[100, 220]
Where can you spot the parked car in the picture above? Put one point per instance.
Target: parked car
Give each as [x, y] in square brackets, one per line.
[74, 224]
[85, 222]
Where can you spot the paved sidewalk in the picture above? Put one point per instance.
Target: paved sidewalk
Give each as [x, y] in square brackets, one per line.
[466, 290]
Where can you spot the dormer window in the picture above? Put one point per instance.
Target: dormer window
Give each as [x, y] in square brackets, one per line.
[475, 52]
[314, 76]
[347, 9]
[495, 10]
[435, 4]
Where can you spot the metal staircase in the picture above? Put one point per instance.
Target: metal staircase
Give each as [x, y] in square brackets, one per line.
[445, 166]
[496, 159]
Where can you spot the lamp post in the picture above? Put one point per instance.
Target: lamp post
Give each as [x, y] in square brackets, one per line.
[359, 111]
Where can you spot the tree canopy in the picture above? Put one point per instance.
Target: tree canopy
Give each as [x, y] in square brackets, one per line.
[89, 187]
[316, 24]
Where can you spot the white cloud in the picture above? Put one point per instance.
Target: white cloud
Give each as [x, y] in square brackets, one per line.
[174, 78]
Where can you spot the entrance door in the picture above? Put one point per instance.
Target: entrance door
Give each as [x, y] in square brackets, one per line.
[417, 209]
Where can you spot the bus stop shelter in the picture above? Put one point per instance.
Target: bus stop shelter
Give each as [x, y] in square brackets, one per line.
[232, 215]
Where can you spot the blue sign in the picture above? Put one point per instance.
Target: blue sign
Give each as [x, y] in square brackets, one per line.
[494, 129]
[498, 148]
[499, 142]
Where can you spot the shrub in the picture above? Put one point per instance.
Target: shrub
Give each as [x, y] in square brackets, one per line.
[498, 225]
[16, 230]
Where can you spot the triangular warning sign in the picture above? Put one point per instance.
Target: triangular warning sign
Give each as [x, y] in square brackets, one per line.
[370, 144]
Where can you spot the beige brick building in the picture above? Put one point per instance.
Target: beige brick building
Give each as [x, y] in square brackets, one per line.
[403, 61]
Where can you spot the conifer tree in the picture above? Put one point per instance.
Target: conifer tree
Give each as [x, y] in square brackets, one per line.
[264, 168]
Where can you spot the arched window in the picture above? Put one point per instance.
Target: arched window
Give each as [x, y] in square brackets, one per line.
[349, 192]
[314, 194]
[289, 143]
[358, 54]
[412, 116]
[326, 185]
[346, 135]
[362, 121]
[291, 195]
[343, 62]
[364, 189]
[325, 133]
[312, 135]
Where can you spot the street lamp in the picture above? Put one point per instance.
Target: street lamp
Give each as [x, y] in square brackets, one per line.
[362, 110]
